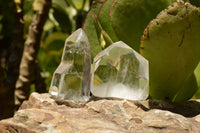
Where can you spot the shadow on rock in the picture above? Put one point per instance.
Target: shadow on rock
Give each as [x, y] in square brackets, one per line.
[189, 108]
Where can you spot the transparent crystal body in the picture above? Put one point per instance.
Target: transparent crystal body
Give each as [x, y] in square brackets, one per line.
[71, 80]
[121, 72]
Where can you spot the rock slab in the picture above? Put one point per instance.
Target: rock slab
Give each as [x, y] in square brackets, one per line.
[42, 114]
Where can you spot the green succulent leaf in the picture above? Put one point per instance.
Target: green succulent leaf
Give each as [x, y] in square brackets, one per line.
[107, 39]
[197, 73]
[105, 20]
[129, 18]
[90, 29]
[97, 25]
[187, 91]
[171, 44]
[104, 38]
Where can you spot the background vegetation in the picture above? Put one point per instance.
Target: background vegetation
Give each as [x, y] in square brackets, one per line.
[33, 32]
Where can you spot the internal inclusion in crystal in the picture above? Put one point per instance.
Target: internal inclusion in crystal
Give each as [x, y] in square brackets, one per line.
[71, 80]
[120, 72]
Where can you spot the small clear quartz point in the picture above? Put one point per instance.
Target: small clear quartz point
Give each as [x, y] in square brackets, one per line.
[71, 80]
[120, 72]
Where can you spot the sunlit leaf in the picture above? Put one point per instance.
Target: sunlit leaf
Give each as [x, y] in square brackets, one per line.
[87, 5]
[37, 5]
[49, 25]
[27, 21]
[77, 4]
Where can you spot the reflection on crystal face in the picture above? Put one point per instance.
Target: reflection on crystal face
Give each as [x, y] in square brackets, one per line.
[120, 72]
[71, 80]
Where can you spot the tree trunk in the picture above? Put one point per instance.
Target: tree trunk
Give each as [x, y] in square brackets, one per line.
[15, 51]
[8, 84]
[6, 99]
[27, 74]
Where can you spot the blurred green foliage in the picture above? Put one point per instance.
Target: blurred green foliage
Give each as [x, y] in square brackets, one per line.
[62, 21]
[6, 24]
[126, 20]
[60, 24]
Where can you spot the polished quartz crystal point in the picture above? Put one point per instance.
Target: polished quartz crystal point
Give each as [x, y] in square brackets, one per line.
[120, 72]
[71, 80]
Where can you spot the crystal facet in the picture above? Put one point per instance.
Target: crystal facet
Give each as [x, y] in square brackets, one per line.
[119, 71]
[71, 80]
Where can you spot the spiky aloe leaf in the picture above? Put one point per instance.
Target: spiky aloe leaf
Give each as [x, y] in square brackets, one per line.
[90, 30]
[171, 44]
[129, 18]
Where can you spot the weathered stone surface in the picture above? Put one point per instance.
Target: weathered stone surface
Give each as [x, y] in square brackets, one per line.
[42, 114]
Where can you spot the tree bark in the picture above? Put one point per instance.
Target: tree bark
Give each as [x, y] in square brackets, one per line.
[17, 45]
[6, 100]
[27, 74]
[15, 52]
[7, 86]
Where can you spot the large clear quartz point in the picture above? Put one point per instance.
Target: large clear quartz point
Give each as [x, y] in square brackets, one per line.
[120, 72]
[71, 80]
